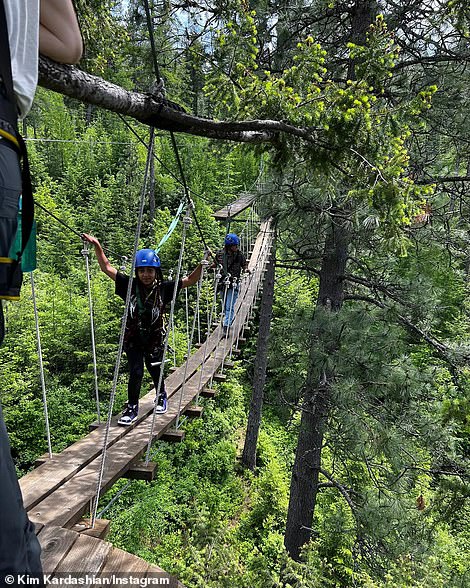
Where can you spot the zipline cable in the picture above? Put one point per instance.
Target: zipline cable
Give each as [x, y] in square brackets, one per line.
[68, 227]
[182, 182]
[152, 41]
[174, 176]
[58, 219]
[151, 33]
[186, 189]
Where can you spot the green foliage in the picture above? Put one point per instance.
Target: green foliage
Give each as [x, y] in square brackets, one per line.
[349, 127]
[398, 425]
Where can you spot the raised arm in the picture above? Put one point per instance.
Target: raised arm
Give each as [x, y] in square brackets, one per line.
[59, 32]
[103, 261]
[192, 278]
[196, 273]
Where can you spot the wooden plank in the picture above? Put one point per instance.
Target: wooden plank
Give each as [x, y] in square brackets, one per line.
[157, 572]
[141, 471]
[208, 393]
[235, 208]
[100, 530]
[44, 458]
[119, 561]
[88, 556]
[219, 377]
[55, 544]
[194, 411]
[173, 436]
[43, 480]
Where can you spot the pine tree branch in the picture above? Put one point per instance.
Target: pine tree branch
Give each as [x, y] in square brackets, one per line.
[443, 180]
[376, 286]
[441, 349]
[423, 59]
[360, 298]
[436, 472]
[344, 493]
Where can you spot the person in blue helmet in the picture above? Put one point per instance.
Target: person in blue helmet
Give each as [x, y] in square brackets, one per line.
[145, 333]
[232, 262]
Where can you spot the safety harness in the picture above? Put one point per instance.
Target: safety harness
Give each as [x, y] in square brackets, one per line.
[10, 285]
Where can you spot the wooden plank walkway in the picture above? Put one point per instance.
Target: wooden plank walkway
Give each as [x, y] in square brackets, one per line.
[66, 553]
[59, 492]
[235, 208]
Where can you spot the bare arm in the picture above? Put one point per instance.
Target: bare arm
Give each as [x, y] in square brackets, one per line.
[103, 261]
[59, 32]
[192, 278]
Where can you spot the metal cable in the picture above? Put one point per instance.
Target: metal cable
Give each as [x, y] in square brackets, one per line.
[152, 40]
[60, 221]
[41, 367]
[196, 312]
[217, 276]
[86, 255]
[186, 223]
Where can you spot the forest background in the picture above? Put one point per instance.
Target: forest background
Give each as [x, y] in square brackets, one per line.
[361, 474]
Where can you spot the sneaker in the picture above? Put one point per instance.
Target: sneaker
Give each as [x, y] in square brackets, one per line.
[226, 330]
[129, 414]
[161, 403]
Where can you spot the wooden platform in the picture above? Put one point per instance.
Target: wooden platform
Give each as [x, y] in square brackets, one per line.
[235, 208]
[68, 554]
[58, 493]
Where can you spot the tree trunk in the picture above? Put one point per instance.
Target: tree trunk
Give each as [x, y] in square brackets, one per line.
[315, 409]
[362, 15]
[304, 482]
[261, 361]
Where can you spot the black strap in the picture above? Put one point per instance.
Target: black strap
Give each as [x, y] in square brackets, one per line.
[8, 113]
[6, 82]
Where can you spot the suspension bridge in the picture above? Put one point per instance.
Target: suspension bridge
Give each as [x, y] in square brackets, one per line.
[63, 488]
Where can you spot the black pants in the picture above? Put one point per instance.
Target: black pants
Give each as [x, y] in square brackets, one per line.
[136, 357]
[19, 547]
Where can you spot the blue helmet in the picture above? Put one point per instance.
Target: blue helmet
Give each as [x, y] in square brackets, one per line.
[147, 258]
[232, 239]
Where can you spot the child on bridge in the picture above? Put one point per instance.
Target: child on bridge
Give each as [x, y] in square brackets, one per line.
[231, 261]
[145, 332]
